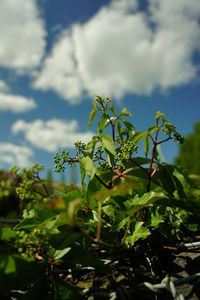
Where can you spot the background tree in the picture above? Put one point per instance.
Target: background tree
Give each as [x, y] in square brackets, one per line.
[189, 152]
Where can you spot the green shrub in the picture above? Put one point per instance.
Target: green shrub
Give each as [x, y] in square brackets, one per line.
[124, 199]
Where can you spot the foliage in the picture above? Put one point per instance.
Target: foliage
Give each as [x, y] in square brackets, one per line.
[124, 200]
[189, 152]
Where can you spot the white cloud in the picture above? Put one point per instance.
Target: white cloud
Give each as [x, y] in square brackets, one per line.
[52, 134]
[15, 103]
[123, 50]
[3, 86]
[22, 34]
[12, 154]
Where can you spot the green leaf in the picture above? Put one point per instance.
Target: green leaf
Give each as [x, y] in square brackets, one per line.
[185, 187]
[121, 189]
[137, 203]
[93, 113]
[140, 160]
[99, 99]
[159, 115]
[6, 233]
[152, 129]
[112, 108]
[137, 137]
[155, 217]
[146, 145]
[108, 143]
[121, 224]
[87, 167]
[102, 123]
[64, 238]
[60, 253]
[119, 127]
[7, 265]
[89, 149]
[129, 126]
[125, 112]
[13, 268]
[139, 232]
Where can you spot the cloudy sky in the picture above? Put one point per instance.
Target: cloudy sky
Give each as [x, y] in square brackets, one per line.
[56, 55]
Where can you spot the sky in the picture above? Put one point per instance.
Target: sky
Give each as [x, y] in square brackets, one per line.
[55, 56]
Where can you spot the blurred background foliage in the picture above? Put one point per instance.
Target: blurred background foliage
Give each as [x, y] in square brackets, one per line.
[189, 152]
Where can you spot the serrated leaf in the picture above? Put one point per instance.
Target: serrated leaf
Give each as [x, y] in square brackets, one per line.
[156, 218]
[139, 232]
[93, 113]
[137, 203]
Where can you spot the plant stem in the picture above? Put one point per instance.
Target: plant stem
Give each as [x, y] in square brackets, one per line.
[149, 171]
[98, 236]
[102, 182]
[126, 230]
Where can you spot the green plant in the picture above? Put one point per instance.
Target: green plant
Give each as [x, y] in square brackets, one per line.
[124, 201]
[119, 186]
[189, 153]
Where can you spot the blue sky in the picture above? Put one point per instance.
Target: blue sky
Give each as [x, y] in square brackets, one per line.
[56, 55]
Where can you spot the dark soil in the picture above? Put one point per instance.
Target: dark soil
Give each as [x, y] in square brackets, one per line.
[143, 272]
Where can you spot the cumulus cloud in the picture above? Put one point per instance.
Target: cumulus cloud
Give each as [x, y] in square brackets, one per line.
[12, 154]
[124, 50]
[22, 34]
[3, 86]
[51, 134]
[15, 103]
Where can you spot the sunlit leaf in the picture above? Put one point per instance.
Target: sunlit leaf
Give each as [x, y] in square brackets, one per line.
[146, 145]
[108, 143]
[102, 123]
[155, 217]
[58, 254]
[137, 203]
[137, 137]
[91, 145]
[125, 112]
[120, 189]
[93, 113]
[139, 232]
[112, 108]
[129, 126]
[87, 167]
